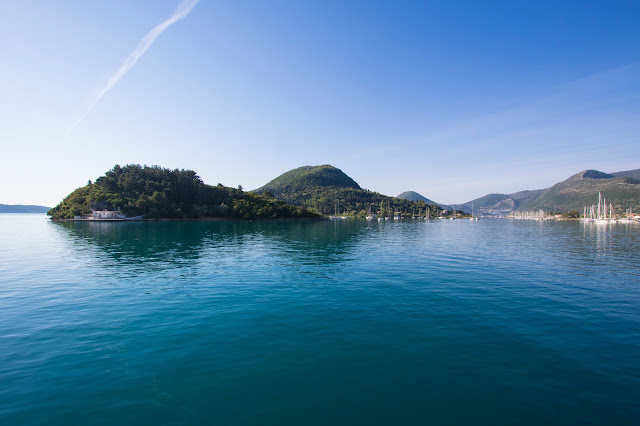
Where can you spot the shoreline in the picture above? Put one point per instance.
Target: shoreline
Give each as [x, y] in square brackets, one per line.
[199, 219]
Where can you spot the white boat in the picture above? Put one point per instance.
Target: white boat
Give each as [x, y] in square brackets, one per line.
[586, 219]
[370, 216]
[473, 217]
[612, 219]
[601, 219]
[628, 218]
[337, 216]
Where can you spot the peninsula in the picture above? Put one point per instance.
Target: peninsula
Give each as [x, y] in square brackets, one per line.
[154, 192]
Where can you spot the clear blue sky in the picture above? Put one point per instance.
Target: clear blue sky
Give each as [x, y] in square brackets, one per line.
[453, 99]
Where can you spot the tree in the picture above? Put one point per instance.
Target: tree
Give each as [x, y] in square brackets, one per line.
[156, 192]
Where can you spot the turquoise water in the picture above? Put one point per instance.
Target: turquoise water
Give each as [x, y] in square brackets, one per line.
[337, 322]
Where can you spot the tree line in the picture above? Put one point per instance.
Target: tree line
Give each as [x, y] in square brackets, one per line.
[353, 202]
[156, 193]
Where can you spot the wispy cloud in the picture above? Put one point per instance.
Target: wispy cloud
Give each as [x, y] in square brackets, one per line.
[183, 9]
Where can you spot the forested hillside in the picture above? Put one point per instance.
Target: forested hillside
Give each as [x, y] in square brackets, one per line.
[622, 189]
[156, 192]
[326, 189]
[582, 190]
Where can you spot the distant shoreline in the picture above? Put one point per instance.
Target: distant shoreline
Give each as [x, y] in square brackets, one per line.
[44, 213]
[23, 208]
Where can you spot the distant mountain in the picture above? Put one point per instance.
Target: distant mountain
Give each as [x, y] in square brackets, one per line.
[488, 202]
[581, 189]
[629, 173]
[500, 202]
[527, 196]
[414, 196]
[19, 208]
[327, 189]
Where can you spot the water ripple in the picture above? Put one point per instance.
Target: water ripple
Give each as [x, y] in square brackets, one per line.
[330, 322]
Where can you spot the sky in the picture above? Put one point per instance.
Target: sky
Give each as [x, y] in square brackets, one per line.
[452, 99]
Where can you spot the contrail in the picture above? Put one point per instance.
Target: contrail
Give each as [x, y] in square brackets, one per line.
[181, 11]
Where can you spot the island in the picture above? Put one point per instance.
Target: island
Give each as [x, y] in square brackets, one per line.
[154, 192]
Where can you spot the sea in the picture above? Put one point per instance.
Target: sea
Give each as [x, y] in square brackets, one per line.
[341, 322]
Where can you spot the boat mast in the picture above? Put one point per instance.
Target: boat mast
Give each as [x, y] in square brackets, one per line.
[599, 199]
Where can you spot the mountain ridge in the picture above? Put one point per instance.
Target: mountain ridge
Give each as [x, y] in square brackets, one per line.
[628, 173]
[573, 193]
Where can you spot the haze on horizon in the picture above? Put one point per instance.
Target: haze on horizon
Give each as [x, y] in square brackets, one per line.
[451, 100]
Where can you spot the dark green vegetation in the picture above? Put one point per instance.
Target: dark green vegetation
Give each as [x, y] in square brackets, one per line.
[323, 188]
[305, 177]
[19, 208]
[621, 188]
[156, 192]
[414, 196]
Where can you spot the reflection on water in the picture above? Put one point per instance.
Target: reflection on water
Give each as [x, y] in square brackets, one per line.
[184, 248]
[234, 322]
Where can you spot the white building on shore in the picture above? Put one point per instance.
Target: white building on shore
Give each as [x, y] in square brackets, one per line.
[107, 214]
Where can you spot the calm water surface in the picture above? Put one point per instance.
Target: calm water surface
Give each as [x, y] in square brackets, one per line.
[337, 322]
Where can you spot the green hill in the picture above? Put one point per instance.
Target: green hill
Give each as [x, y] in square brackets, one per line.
[303, 178]
[582, 190]
[156, 192]
[326, 189]
[19, 208]
[414, 196]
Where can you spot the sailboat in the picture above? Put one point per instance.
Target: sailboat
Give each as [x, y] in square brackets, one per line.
[601, 219]
[612, 219]
[585, 218]
[370, 216]
[337, 216]
[473, 217]
[626, 218]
